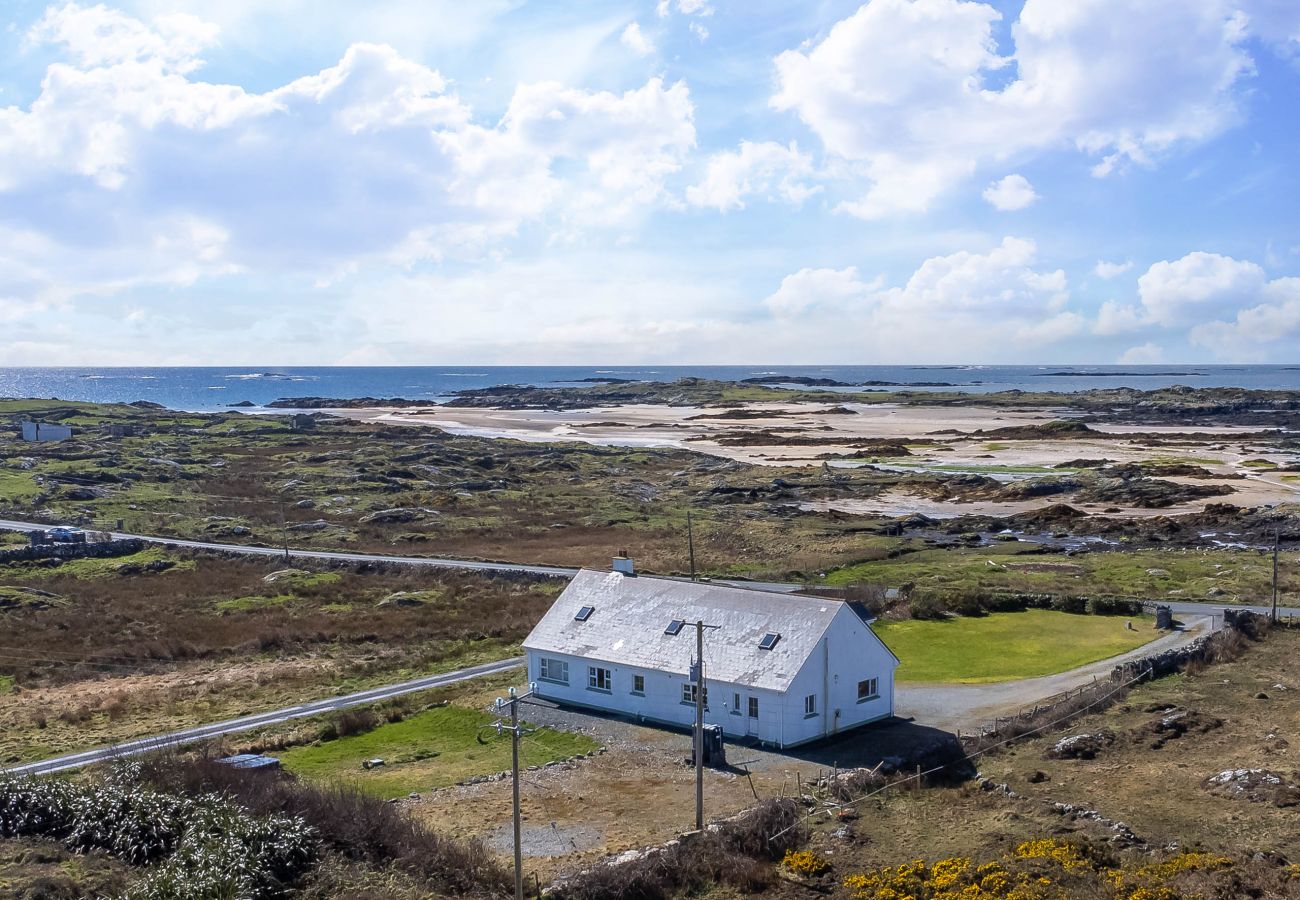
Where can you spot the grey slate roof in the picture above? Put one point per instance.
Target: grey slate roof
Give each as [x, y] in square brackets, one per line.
[631, 613]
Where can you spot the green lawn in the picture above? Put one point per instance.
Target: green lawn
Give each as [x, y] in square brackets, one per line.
[1005, 646]
[428, 750]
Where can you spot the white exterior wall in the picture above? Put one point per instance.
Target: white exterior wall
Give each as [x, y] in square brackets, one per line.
[848, 653]
[662, 701]
[43, 431]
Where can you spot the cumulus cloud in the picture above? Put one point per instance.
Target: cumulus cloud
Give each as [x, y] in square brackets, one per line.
[765, 168]
[1010, 193]
[1228, 306]
[1198, 286]
[1109, 270]
[820, 288]
[1119, 318]
[686, 7]
[917, 94]
[1146, 354]
[1268, 329]
[372, 158]
[635, 40]
[948, 306]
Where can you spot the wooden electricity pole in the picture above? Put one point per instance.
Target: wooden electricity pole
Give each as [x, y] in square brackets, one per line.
[690, 542]
[515, 732]
[699, 726]
[1277, 540]
[284, 529]
[698, 672]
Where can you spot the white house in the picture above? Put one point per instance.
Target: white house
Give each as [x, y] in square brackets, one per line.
[780, 668]
[44, 431]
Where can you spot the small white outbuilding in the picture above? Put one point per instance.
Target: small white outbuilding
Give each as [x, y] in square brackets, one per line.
[45, 431]
[778, 668]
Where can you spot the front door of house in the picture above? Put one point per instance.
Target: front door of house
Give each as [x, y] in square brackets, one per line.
[751, 716]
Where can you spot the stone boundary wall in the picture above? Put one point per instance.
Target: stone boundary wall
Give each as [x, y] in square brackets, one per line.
[100, 550]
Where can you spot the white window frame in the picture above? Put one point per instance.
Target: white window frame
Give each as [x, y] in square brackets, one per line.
[639, 691]
[688, 694]
[753, 707]
[810, 706]
[546, 664]
[872, 686]
[735, 704]
[600, 679]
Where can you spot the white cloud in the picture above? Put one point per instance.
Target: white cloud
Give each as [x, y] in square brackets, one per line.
[635, 40]
[98, 36]
[1010, 193]
[1276, 22]
[685, 7]
[1119, 318]
[1198, 286]
[1143, 355]
[820, 288]
[1228, 306]
[146, 175]
[952, 307]
[1268, 329]
[909, 89]
[764, 168]
[1109, 270]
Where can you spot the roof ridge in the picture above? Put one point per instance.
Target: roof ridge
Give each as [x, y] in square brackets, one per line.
[718, 586]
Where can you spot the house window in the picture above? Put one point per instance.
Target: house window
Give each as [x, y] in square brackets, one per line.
[556, 670]
[674, 626]
[688, 695]
[753, 707]
[769, 641]
[638, 684]
[585, 613]
[868, 689]
[598, 679]
[810, 706]
[735, 704]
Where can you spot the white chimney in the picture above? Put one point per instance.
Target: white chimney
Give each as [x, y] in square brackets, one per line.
[623, 563]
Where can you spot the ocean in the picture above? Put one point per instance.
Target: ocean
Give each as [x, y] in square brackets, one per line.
[212, 388]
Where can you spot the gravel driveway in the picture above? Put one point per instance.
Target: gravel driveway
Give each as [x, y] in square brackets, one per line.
[971, 706]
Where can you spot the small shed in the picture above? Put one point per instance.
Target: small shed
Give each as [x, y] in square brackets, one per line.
[45, 431]
[253, 761]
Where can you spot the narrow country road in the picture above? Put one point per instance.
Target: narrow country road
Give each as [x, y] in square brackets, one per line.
[248, 723]
[942, 706]
[435, 562]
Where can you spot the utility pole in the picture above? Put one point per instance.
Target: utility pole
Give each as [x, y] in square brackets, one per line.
[515, 732]
[284, 529]
[1277, 540]
[698, 672]
[690, 542]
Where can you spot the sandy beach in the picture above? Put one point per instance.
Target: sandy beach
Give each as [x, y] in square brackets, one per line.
[947, 440]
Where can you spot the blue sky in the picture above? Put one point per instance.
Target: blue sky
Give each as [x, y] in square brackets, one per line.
[669, 181]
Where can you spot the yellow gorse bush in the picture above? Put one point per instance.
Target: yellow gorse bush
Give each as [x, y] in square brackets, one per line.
[805, 862]
[1042, 869]
[1066, 855]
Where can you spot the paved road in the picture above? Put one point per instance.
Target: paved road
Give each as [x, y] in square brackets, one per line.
[436, 562]
[948, 706]
[442, 562]
[248, 723]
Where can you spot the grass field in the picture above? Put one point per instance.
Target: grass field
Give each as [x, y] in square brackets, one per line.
[431, 749]
[1222, 575]
[1006, 646]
